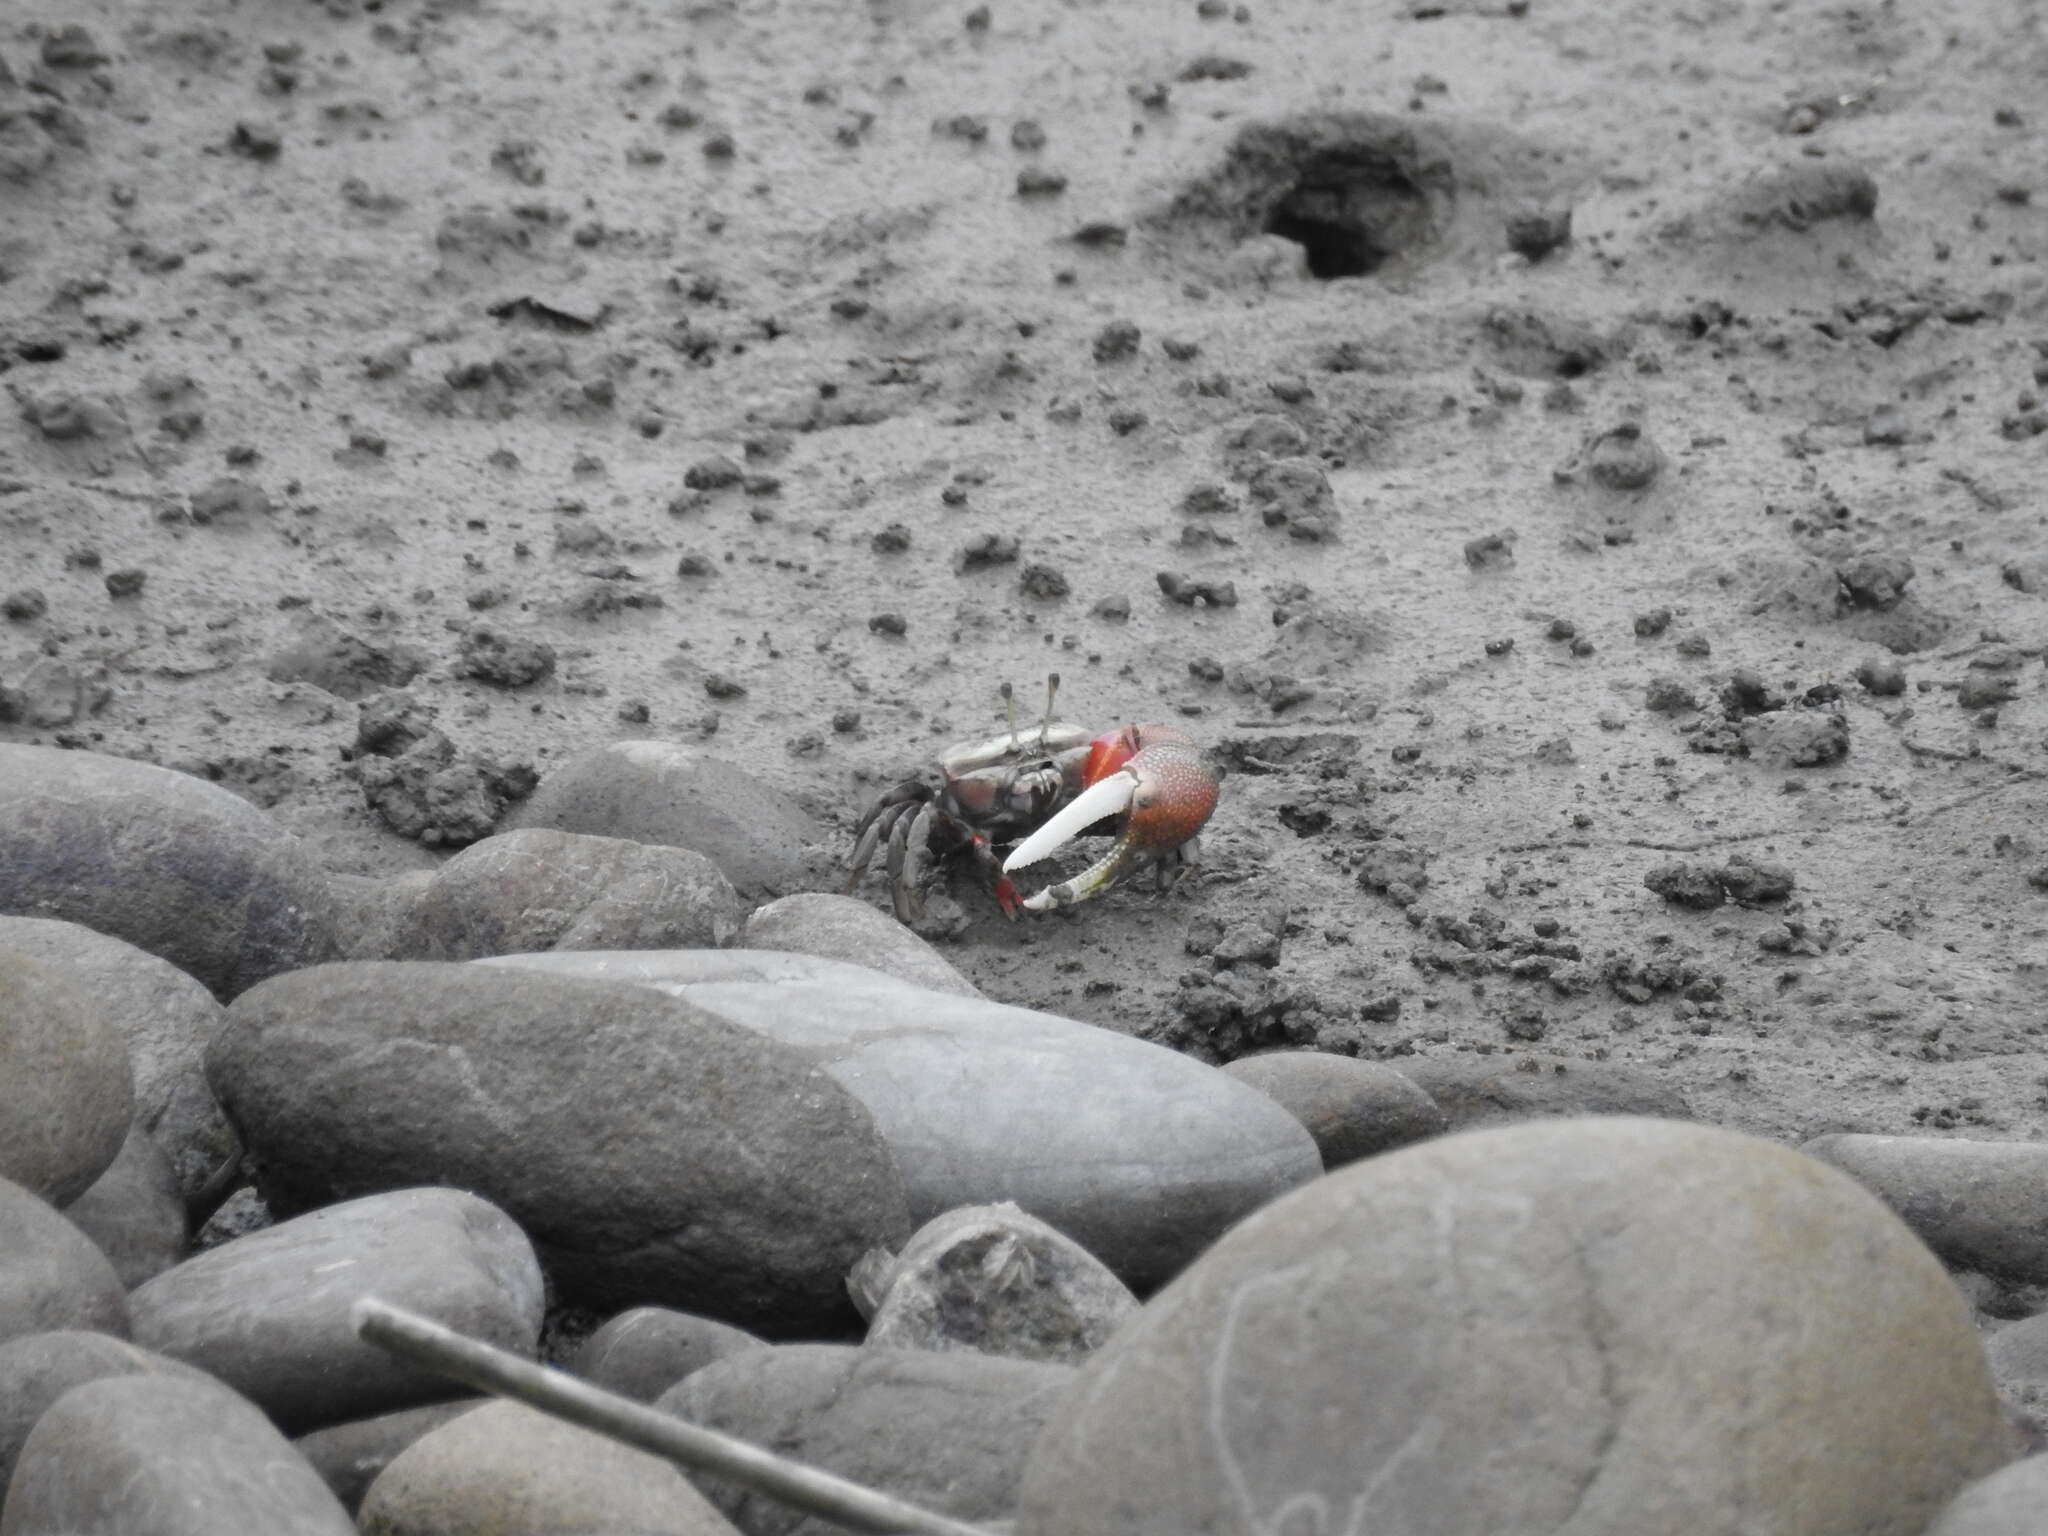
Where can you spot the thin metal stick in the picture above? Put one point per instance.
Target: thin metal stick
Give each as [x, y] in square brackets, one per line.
[690, 1446]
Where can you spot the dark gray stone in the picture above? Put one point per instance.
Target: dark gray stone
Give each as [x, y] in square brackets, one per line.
[134, 1213]
[541, 890]
[1608, 1325]
[38, 1368]
[642, 1353]
[51, 1275]
[664, 792]
[1476, 1091]
[2012, 1501]
[653, 1151]
[1352, 1108]
[268, 1314]
[508, 1468]
[1981, 1205]
[168, 862]
[167, 1018]
[992, 1279]
[148, 1455]
[836, 927]
[349, 1457]
[65, 1095]
[1141, 1155]
[946, 1431]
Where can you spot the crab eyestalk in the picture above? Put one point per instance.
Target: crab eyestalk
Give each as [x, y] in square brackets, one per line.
[1154, 781]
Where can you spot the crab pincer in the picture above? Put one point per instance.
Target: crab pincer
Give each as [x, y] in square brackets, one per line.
[1154, 783]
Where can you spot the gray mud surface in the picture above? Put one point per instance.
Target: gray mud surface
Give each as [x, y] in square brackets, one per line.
[798, 373]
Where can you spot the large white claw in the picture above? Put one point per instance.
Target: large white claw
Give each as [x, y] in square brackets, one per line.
[1106, 797]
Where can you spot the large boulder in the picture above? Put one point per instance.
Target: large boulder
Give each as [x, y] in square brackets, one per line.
[664, 792]
[269, 1313]
[1137, 1153]
[1981, 1205]
[166, 1017]
[507, 1470]
[945, 1431]
[1602, 1325]
[172, 864]
[538, 889]
[65, 1090]
[654, 1152]
[166, 1456]
[51, 1275]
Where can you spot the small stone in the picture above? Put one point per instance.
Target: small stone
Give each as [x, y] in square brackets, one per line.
[505, 661]
[1116, 341]
[892, 624]
[1623, 459]
[1687, 883]
[1045, 582]
[1882, 676]
[256, 141]
[717, 473]
[1039, 181]
[24, 605]
[126, 583]
[1756, 882]
[1536, 232]
[1652, 623]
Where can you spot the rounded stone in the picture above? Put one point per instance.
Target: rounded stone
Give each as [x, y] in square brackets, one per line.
[268, 1314]
[1141, 1155]
[167, 1018]
[166, 1455]
[1352, 1108]
[1611, 1325]
[134, 1212]
[993, 1279]
[539, 890]
[835, 927]
[505, 1467]
[643, 1352]
[39, 1368]
[349, 1457]
[2012, 1501]
[168, 862]
[51, 1275]
[1981, 1205]
[945, 1431]
[65, 1089]
[664, 792]
[654, 1152]
[1477, 1091]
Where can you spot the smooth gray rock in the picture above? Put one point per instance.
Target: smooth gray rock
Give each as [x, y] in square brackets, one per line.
[38, 1368]
[1352, 1108]
[51, 1275]
[148, 1455]
[945, 1431]
[268, 1314]
[170, 863]
[65, 1098]
[508, 1470]
[654, 1152]
[2012, 1501]
[2018, 1357]
[835, 927]
[1981, 1205]
[539, 890]
[1606, 1325]
[375, 913]
[167, 1018]
[135, 1213]
[993, 1279]
[349, 1457]
[642, 1353]
[1476, 1091]
[664, 792]
[1141, 1155]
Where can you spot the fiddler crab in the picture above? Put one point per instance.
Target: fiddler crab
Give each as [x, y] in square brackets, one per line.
[1040, 789]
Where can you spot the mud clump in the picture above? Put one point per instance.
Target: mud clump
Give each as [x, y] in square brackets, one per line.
[413, 776]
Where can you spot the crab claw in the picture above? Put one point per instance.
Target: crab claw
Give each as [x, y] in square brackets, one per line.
[1154, 780]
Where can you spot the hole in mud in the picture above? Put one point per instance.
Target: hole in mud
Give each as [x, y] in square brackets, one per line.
[1351, 210]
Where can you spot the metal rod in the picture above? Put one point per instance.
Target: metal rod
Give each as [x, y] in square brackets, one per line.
[690, 1446]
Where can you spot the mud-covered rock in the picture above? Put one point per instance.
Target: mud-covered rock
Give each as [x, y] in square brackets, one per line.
[421, 784]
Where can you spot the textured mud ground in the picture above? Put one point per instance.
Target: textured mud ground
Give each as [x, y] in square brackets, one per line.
[798, 373]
